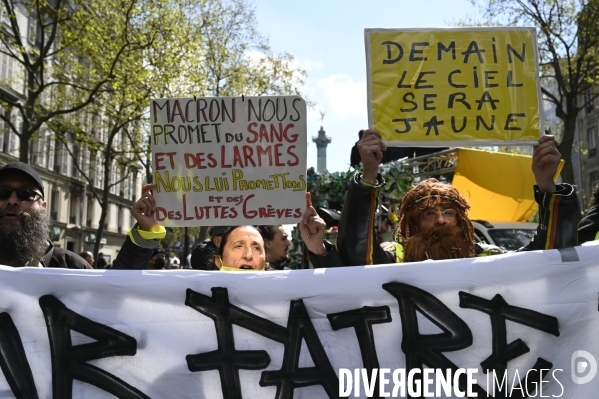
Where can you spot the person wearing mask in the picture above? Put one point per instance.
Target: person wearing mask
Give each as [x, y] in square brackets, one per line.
[433, 222]
[175, 263]
[158, 260]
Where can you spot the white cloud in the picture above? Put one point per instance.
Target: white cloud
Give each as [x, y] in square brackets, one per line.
[308, 65]
[344, 96]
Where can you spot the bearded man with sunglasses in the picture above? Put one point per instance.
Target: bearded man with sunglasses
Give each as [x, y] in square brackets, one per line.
[25, 223]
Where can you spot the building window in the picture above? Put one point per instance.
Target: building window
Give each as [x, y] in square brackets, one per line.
[49, 151]
[589, 100]
[120, 220]
[32, 29]
[593, 179]
[99, 181]
[57, 156]
[90, 211]
[74, 209]
[4, 15]
[75, 160]
[54, 203]
[134, 187]
[6, 65]
[37, 152]
[592, 138]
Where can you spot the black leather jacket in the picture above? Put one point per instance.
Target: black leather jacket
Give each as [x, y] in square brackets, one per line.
[357, 243]
[56, 257]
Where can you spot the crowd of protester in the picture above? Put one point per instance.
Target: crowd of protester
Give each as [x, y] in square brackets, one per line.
[433, 224]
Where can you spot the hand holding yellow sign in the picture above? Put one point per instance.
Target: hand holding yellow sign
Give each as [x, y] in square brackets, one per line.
[450, 87]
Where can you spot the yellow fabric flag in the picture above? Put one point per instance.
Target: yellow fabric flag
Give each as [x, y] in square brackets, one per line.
[499, 186]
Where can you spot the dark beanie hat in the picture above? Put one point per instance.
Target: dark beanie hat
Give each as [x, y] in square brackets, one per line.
[20, 168]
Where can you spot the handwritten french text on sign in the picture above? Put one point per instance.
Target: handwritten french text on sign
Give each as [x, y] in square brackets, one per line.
[454, 87]
[222, 161]
[191, 334]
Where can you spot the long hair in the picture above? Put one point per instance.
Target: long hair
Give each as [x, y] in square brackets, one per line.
[428, 194]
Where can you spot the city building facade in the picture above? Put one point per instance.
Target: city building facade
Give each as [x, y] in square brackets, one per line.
[585, 156]
[74, 210]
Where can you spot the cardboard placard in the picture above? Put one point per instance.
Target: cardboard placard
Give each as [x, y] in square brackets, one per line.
[222, 161]
[474, 86]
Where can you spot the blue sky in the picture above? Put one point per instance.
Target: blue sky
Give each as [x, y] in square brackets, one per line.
[326, 38]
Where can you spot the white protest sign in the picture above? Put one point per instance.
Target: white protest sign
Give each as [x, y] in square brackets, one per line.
[190, 334]
[221, 161]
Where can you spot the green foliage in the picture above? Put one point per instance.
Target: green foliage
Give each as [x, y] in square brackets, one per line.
[568, 39]
[398, 180]
[92, 69]
[85, 55]
[332, 187]
[218, 51]
[328, 186]
[225, 55]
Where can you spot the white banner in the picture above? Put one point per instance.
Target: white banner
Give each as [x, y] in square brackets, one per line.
[303, 334]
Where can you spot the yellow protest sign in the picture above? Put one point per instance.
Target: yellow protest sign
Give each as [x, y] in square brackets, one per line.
[454, 86]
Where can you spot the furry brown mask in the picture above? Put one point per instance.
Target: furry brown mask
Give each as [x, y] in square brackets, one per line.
[439, 242]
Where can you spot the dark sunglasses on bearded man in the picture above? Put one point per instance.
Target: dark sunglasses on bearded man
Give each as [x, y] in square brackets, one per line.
[23, 194]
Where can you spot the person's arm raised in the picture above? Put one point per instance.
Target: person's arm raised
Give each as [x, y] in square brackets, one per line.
[312, 229]
[144, 209]
[545, 161]
[144, 236]
[371, 149]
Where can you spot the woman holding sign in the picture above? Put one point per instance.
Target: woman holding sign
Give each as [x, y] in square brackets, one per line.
[241, 248]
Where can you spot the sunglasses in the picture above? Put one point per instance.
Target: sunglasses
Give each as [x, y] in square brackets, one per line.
[23, 194]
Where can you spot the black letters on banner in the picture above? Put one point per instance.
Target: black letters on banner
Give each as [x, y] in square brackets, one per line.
[427, 349]
[226, 359]
[289, 377]
[14, 361]
[69, 361]
[362, 320]
[499, 311]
